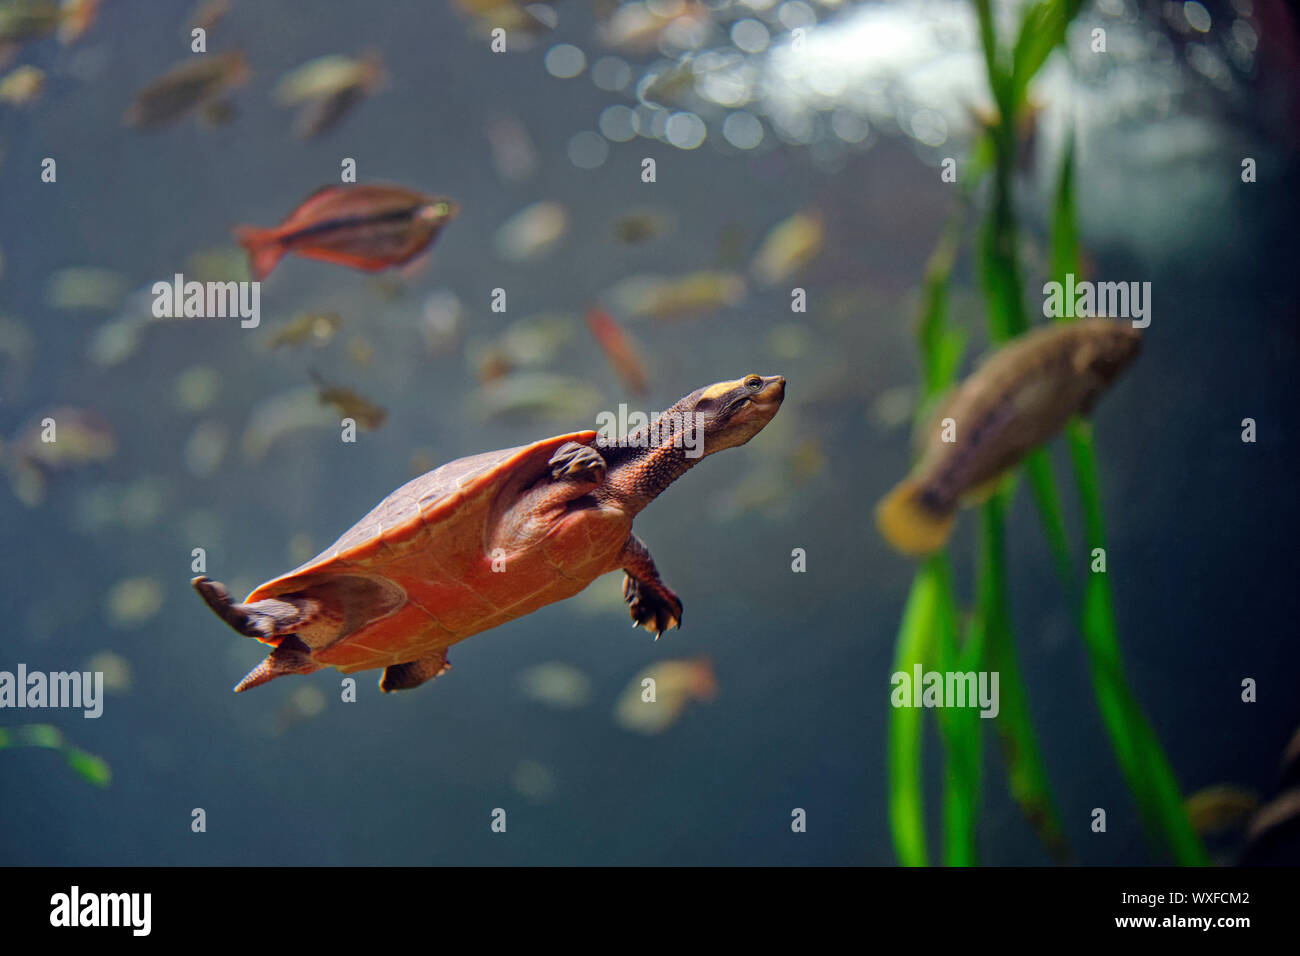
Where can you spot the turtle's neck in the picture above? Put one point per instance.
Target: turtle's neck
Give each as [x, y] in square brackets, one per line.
[648, 460]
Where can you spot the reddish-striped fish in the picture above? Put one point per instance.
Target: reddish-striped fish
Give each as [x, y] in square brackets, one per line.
[618, 349]
[365, 227]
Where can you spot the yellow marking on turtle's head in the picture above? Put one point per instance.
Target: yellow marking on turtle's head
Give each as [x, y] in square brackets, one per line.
[718, 390]
[730, 413]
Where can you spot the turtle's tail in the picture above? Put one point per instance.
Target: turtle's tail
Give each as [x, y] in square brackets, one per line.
[291, 656]
[908, 524]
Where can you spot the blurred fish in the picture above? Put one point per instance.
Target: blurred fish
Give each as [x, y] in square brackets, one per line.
[513, 153]
[351, 404]
[365, 227]
[634, 228]
[75, 18]
[22, 20]
[532, 232]
[1273, 835]
[440, 320]
[521, 21]
[536, 397]
[528, 343]
[492, 363]
[217, 113]
[676, 684]
[533, 780]
[186, 87]
[557, 685]
[72, 437]
[17, 348]
[205, 449]
[274, 418]
[115, 668]
[303, 704]
[1021, 397]
[327, 88]
[316, 328]
[690, 295]
[84, 288]
[23, 86]
[361, 352]
[209, 13]
[791, 245]
[618, 348]
[218, 264]
[635, 27]
[1220, 807]
[132, 602]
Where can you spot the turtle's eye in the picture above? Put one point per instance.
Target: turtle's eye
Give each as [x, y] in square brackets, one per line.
[754, 381]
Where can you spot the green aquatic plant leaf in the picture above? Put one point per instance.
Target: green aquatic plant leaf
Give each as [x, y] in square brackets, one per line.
[1142, 760]
[90, 768]
[1042, 29]
[86, 765]
[959, 727]
[906, 786]
[1026, 770]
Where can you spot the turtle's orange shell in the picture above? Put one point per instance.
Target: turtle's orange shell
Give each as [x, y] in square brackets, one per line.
[430, 547]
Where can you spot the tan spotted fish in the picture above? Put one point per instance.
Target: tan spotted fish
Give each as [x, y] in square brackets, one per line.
[1022, 396]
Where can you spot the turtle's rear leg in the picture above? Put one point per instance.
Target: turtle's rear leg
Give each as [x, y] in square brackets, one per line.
[264, 620]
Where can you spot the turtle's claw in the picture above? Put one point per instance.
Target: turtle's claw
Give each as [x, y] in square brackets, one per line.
[655, 609]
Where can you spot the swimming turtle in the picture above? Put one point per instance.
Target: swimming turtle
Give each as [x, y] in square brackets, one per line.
[486, 539]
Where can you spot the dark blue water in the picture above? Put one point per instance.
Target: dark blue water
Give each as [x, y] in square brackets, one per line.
[1201, 526]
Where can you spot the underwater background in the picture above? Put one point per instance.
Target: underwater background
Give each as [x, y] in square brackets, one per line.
[97, 560]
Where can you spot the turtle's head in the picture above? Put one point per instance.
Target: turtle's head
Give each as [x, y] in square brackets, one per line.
[731, 413]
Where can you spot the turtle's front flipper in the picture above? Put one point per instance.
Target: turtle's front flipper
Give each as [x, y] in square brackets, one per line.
[413, 673]
[263, 620]
[581, 465]
[651, 603]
